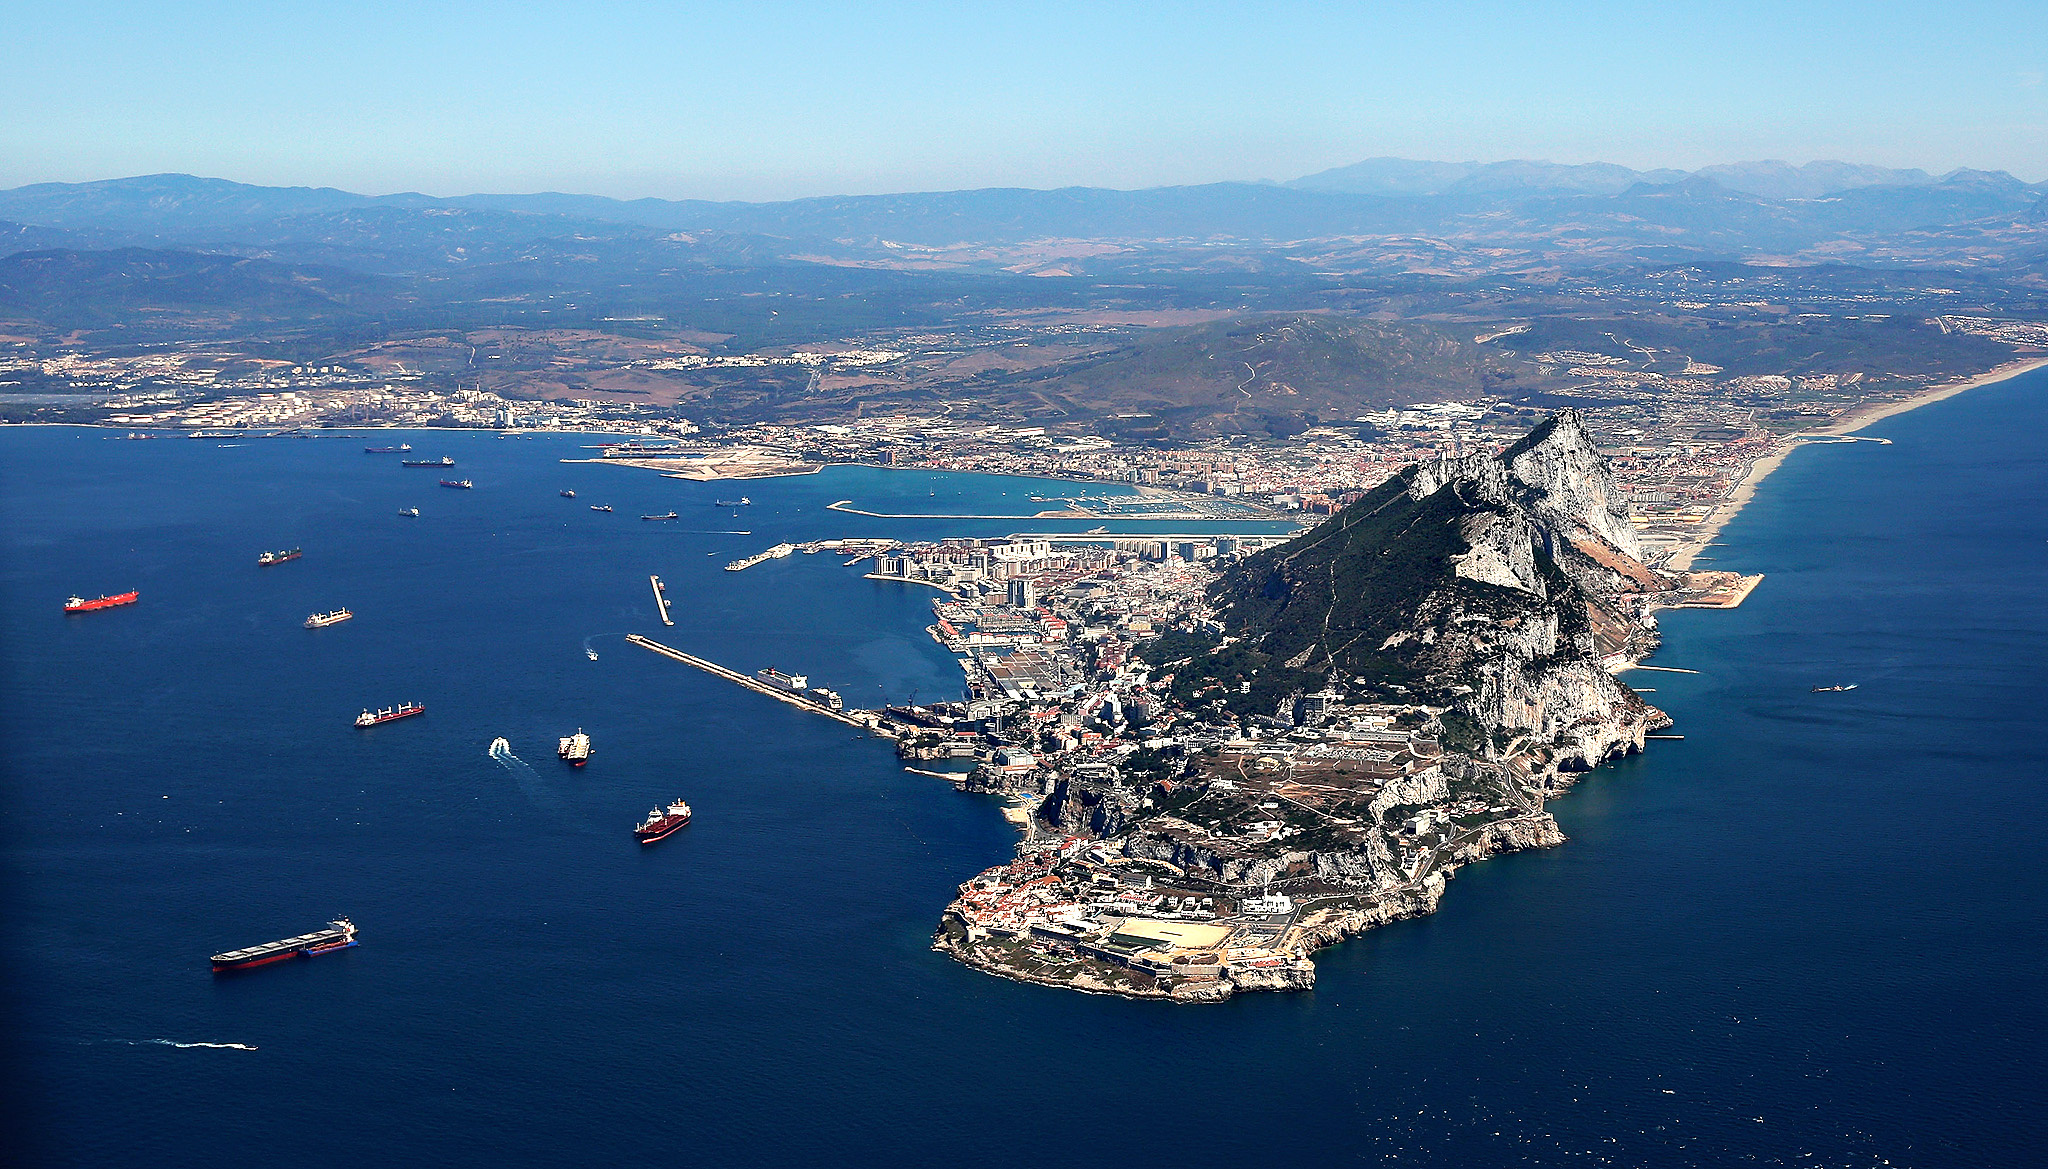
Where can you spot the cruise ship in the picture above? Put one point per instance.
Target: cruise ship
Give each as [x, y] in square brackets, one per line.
[340, 934]
[323, 620]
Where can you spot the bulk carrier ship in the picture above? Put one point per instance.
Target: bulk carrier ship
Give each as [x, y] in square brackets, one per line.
[402, 710]
[340, 934]
[575, 749]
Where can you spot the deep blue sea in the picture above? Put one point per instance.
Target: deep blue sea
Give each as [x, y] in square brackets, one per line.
[1811, 933]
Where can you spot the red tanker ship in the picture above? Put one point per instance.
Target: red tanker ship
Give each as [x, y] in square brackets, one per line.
[660, 823]
[81, 605]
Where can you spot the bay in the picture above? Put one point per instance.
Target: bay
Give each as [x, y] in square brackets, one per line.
[1809, 933]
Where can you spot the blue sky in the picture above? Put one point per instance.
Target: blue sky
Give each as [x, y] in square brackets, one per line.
[776, 101]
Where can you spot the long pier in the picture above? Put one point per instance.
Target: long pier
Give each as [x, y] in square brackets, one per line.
[660, 600]
[739, 679]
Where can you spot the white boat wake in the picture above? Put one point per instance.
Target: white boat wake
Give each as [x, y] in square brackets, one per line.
[222, 1046]
[528, 779]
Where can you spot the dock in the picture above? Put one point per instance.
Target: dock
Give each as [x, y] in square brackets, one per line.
[660, 600]
[739, 679]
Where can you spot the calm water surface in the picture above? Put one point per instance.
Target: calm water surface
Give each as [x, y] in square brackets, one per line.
[1811, 933]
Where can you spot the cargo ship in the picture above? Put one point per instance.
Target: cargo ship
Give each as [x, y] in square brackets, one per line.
[270, 558]
[662, 823]
[568, 495]
[323, 620]
[742, 501]
[409, 511]
[402, 710]
[340, 934]
[600, 507]
[400, 449]
[443, 461]
[1837, 688]
[81, 605]
[669, 516]
[464, 484]
[575, 749]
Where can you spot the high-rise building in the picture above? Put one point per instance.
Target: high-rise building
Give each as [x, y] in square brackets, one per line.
[1023, 593]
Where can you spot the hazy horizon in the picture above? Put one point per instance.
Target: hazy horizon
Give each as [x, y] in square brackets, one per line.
[808, 100]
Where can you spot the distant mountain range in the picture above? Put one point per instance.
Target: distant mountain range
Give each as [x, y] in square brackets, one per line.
[1722, 210]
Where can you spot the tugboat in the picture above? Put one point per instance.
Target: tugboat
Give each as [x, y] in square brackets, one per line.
[568, 495]
[600, 507]
[340, 934]
[1837, 688]
[270, 558]
[402, 710]
[443, 461]
[463, 484]
[323, 620]
[660, 823]
[575, 749]
[81, 605]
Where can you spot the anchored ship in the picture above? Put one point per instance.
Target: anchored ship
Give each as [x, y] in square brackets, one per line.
[575, 749]
[270, 558]
[464, 484]
[409, 511]
[742, 501]
[443, 461]
[400, 449]
[669, 516]
[600, 507]
[1837, 688]
[402, 710]
[81, 605]
[568, 495]
[323, 620]
[340, 934]
[661, 823]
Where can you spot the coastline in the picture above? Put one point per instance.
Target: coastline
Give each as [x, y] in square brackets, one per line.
[1856, 419]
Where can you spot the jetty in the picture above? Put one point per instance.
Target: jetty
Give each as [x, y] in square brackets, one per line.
[660, 600]
[739, 679]
[775, 553]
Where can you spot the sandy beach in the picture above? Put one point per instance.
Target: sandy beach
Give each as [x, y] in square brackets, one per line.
[1848, 424]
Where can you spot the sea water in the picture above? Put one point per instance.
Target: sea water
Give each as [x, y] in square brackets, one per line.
[1809, 933]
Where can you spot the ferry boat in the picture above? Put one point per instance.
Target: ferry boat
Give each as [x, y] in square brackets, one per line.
[409, 511]
[600, 507]
[661, 823]
[340, 934]
[443, 461]
[389, 713]
[81, 605]
[568, 495]
[575, 749]
[742, 501]
[323, 620]
[270, 558]
[669, 516]
[1837, 688]
[401, 448]
[464, 484]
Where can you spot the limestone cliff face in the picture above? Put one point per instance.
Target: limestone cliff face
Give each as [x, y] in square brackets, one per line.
[1498, 581]
[1568, 484]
